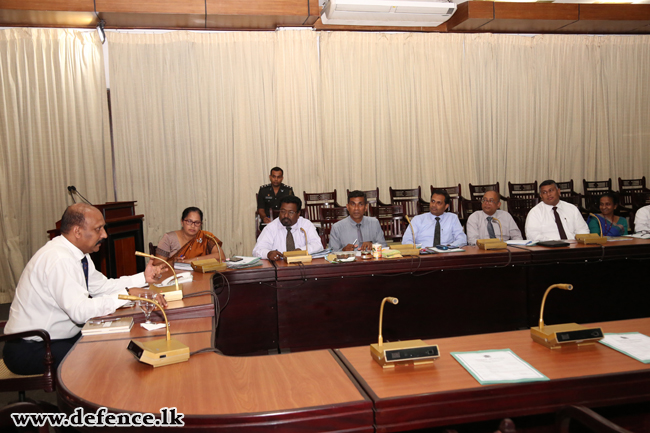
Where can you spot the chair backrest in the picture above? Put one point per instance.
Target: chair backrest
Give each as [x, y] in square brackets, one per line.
[409, 198]
[314, 201]
[373, 199]
[523, 190]
[470, 206]
[455, 195]
[593, 189]
[476, 192]
[626, 187]
[519, 208]
[587, 417]
[391, 220]
[333, 214]
[640, 199]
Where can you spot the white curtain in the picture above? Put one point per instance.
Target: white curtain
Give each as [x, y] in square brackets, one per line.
[53, 133]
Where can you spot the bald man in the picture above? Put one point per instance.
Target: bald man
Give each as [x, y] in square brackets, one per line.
[479, 223]
[54, 288]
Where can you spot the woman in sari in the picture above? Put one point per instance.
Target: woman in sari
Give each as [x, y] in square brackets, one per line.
[190, 241]
[612, 225]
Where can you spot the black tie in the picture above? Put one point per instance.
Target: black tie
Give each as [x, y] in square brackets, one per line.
[558, 221]
[84, 265]
[491, 228]
[290, 244]
[436, 236]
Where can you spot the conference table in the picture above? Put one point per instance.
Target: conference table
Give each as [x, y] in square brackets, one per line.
[306, 328]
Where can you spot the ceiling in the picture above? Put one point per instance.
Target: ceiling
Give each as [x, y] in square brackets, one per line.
[471, 16]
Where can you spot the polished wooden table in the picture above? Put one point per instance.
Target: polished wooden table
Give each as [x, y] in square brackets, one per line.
[445, 394]
[308, 391]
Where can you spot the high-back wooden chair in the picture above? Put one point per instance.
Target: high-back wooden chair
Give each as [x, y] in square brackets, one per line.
[626, 187]
[519, 208]
[476, 192]
[373, 199]
[593, 189]
[314, 201]
[522, 190]
[411, 199]
[470, 206]
[328, 217]
[391, 220]
[10, 382]
[456, 197]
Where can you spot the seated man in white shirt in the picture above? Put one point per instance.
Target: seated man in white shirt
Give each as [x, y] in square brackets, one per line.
[642, 220]
[284, 234]
[482, 224]
[554, 219]
[54, 288]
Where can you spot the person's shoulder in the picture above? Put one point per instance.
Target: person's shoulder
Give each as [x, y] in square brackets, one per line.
[341, 222]
[475, 215]
[304, 222]
[266, 186]
[502, 214]
[452, 216]
[285, 186]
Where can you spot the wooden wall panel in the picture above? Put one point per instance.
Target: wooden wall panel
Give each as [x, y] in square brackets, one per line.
[29, 18]
[49, 5]
[153, 21]
[152, 6]
[471, 16]
[268, 7]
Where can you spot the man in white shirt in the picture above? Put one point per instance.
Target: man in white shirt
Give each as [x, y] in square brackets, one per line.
[284, 234]
[54, 288]
[642, 220]
[554, 219]
[482, 224]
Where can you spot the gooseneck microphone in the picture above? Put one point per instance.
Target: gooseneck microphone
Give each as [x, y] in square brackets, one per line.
[392, 300]
[541, 312]
[73, 190]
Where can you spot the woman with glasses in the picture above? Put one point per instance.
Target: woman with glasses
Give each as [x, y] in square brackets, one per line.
[610, 224]
[190, 241]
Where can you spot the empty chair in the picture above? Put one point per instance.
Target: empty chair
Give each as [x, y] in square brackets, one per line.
[593, 189]
[456, 198]
[409, 198]
[391, 219]
[314, 201]
[476, 191]
[626, 187]
[523, 190]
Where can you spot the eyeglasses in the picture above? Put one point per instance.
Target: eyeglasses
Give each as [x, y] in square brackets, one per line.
[287, 212]
[489, 200]
[193, 223]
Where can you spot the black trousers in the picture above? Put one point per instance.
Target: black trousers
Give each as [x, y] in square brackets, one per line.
[27, 356]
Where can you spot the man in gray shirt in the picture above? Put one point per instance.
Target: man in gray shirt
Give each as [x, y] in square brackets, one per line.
[356, 231]
[483, 224]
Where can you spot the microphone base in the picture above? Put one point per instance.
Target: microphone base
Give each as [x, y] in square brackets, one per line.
[591, 239]
[411, 352]
[159, 353]
[491, 244]
[305, 258]
[407, 249]
[565, 335]
[209, 265]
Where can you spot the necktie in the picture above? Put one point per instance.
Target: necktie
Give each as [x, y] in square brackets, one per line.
[84, 265]
[436, 236]
[359, 235]
[558, 221]
[491, 228]
[290, 244]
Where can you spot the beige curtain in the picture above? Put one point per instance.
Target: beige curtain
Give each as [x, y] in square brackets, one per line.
[200, 118]
[53, 133]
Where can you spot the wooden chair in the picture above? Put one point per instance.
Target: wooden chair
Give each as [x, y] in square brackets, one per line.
[522, 190]
[470, 206]
[373, 199]
[476, 192]
[566, 188]
[10, 382]
[519, 208]
[391, 220]
[627, 187]
[592, 192]
[411, 199]
[456, 198]
[587, 418]
[328, 217]
[314, 201]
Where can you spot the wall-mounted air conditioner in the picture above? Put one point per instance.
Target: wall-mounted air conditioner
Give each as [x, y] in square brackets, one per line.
[408, 13]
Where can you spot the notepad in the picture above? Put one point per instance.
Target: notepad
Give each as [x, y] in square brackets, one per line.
[497, 366]
[633, 344]
[107, 326]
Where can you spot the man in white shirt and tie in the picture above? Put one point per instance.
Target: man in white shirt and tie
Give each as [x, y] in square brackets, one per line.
[554, 219]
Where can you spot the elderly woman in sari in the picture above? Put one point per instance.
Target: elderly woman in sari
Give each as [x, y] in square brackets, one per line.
[612, 225]
[190, 242]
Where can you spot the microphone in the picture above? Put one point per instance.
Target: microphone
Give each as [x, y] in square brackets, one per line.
[138, 253]
[71, 189]
[299, 256]
[564, 335]
[408, 249]
[492, 244]
[394, 301]
[157, 352]
[600, 226]
[209, 265]
[500, 227]
[592, 238]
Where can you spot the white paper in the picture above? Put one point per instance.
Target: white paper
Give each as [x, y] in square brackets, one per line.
[497, 366]
[520, 242]
[183, 266]
[152, 326]
[633, 344]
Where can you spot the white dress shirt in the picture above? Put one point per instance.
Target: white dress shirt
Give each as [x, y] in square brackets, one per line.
[642, 219]
[424, 225]
[52, 294]
[541, 226]
[477, 226]
[274, 238]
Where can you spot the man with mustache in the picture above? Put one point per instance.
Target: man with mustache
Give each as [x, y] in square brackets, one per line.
[284, 234]
[54, 291]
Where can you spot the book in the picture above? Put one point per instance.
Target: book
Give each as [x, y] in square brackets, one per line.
[107, 326]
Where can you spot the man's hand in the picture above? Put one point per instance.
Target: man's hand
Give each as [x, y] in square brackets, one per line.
[153, 273]
[366, 246]
[138, 291]
[349, 247]
[274, 255]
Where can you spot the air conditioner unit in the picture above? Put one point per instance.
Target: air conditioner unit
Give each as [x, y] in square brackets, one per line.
[393, 13]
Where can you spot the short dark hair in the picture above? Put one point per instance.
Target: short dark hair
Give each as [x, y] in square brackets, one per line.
[357, 193]
[72, 218]
[442, 192]
[191, 209]
[277, 169]
[547, 183]
[611, 194]
[292, 199]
